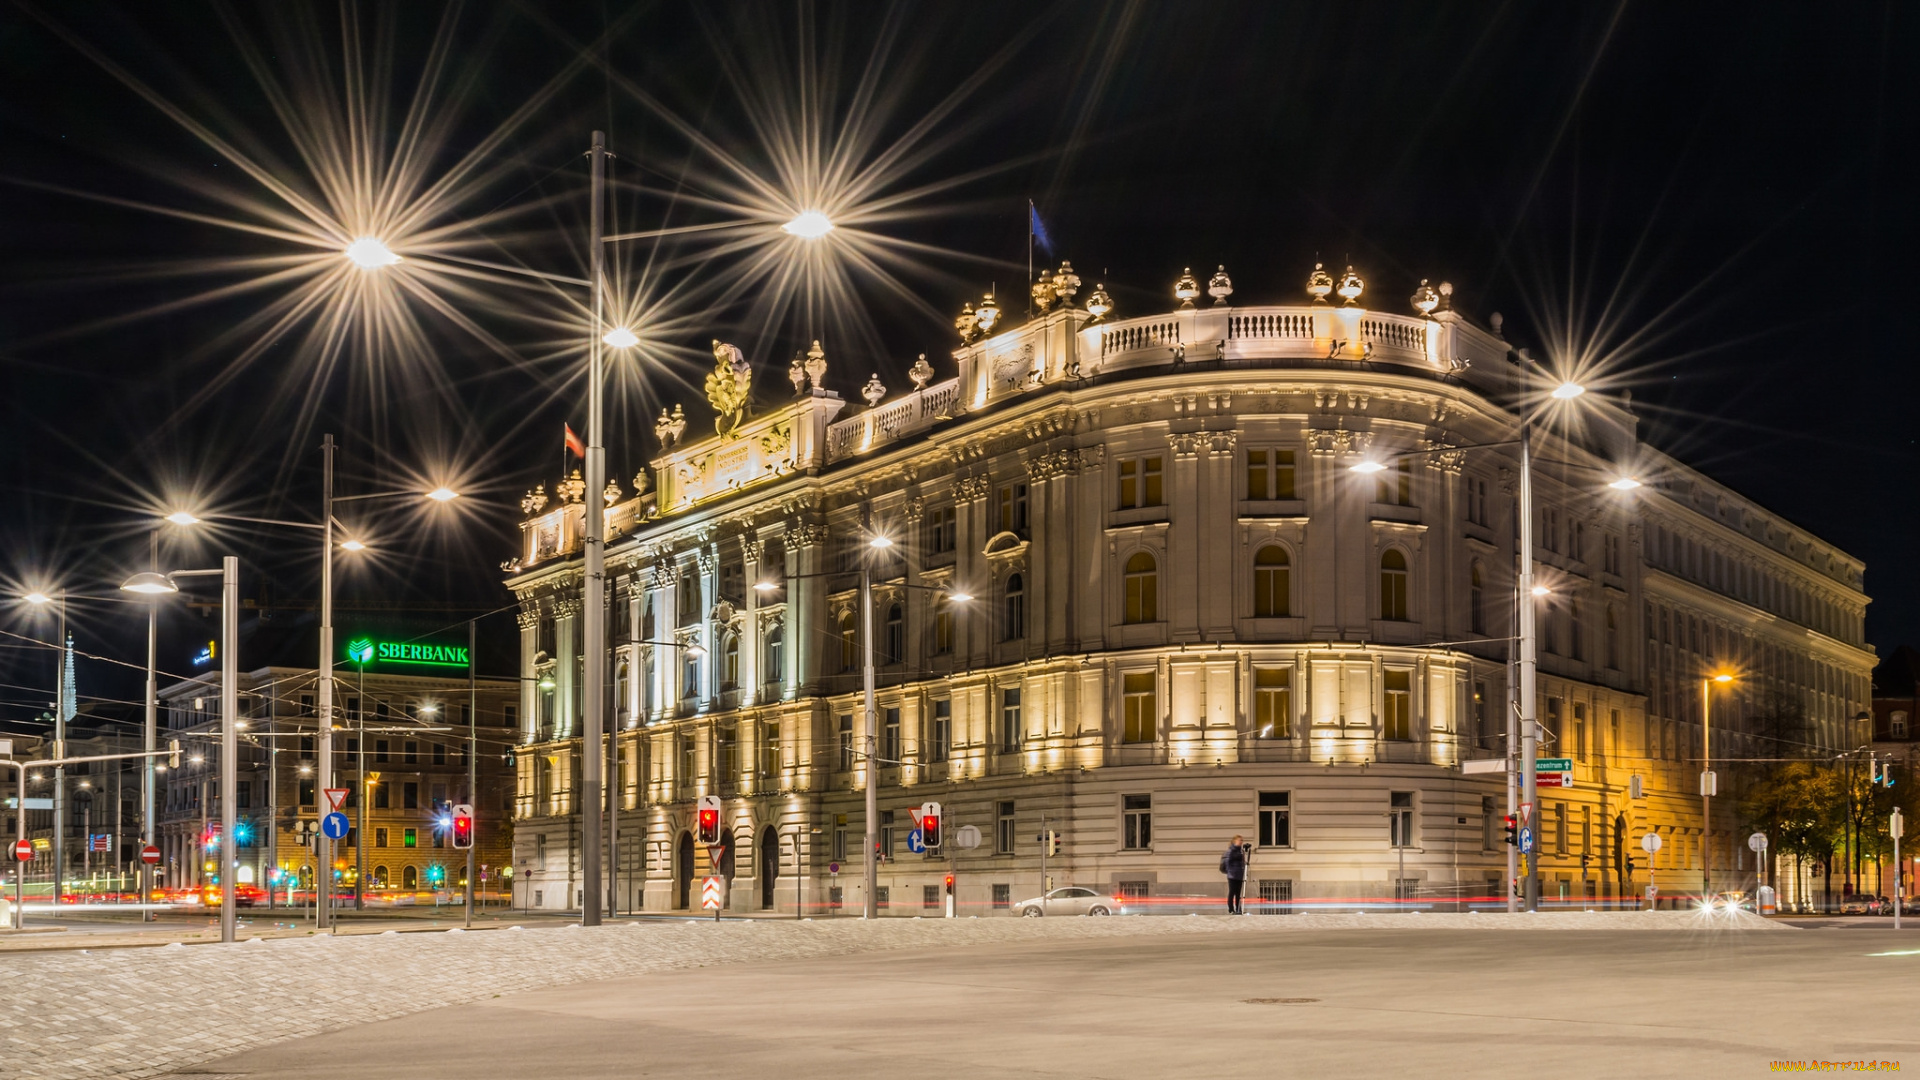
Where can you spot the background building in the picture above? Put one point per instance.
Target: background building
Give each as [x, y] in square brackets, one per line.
[409, 716]
[1190, 618]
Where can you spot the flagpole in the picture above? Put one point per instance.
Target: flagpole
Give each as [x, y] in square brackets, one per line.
[1030, 215]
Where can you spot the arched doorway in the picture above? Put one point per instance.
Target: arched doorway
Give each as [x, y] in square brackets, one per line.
[769, 867]
[683, 873]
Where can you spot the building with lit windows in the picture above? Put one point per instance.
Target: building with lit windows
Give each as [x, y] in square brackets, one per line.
[1189, 617]
[400, 744]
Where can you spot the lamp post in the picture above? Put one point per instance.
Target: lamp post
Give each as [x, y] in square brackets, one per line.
[870, 740]
[1525, 638]
[1707, 781]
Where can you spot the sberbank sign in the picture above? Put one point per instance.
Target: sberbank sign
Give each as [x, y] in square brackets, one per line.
[366, 650]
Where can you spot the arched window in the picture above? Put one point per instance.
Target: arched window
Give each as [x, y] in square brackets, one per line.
[380, 877]
[646, 683]
[1271, 584]
[646, 619]
[1477, 602]
[896, 635]
[774, 669]
[849, 642]
[1393, 585]
[1143, 589]
[689, 590]
[409, 877]
[1016, 609]
[730, 662]
[689, 674]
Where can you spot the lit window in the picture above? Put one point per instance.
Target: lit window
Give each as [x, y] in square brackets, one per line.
[1269, 474]
[1397, 721]
[1142, 580]
[1139, 482]
[1272, 703]
[1141, 722]
[1393, 585]
[1271, 582]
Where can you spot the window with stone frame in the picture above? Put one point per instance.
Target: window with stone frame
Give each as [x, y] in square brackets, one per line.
[939, 733]
[1393, 486]
[1396, 718]
[1012, 728]
[1393, 585]
[1141, 584]
[1011, 501]
[941, 641]
[1140, 717]
[688, 592]
[1476, 600]
[1140, 481]
[1273, 702]
[1013, 625]
[1269, 474]
[1272, 583]
[896, 635]
[940, 530]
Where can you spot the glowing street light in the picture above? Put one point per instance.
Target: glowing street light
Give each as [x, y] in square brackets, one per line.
[1541, 590]
[352, 545]
[1625, 483]
[809, 225]
[1368, 467]
[38, 598]
[149, 583]
[880, 542]
[370, 253]
[443, 494]
[959, 597]
[1568, 390]
[181, 517]
[620, 338]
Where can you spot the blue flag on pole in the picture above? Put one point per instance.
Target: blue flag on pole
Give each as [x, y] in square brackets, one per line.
[1036, 230]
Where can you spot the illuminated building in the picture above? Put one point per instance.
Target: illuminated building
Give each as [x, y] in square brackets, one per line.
[1191, 618]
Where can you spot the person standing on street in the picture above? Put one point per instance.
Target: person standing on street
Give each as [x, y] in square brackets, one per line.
[1234, 865]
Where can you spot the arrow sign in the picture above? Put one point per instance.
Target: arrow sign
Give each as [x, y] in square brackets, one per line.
[710, 893]
[1526, 840]
[913, 842]
[1553, 764]
[334, 825]
[336, 797]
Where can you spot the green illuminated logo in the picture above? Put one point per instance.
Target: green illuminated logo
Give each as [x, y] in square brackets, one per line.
[413, 653]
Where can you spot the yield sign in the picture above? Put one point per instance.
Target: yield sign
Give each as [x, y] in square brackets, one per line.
[336, 797]
[1526, 812]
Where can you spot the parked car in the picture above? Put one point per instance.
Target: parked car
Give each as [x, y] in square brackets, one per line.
[1071, 900]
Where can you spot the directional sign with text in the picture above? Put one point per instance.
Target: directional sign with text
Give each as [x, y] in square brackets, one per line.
[1553, 779]
[1553, 764]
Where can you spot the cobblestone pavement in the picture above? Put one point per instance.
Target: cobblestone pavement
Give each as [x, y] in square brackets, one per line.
[150, 1012]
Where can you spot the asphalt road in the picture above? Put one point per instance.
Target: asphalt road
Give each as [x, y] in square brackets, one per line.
[1313, 1003]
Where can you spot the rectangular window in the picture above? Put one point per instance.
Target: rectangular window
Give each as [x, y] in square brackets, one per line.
[1610, 554]
[1269, 474]
[840, 838]
[1013, 509]
[940, 530]
[1394, 486]
[1140, 482]
[439, 753]
[379, 751]
[1580, 732]
[942, 626]
[307, 792]
[1273, 703]
[1142, 715]
[1559, 828]
[1397, 722]
[1400, 819]
[769, 748]
[1012, 733]
[882, 898]
[846, 742]
[409, 838]
[380, 837]
[243, 795]
[889, 738]
[1002, 897]
[1003, 837]
[1276, 823]
[411, 752]
[929, 897]
[410, 796]
[1477, 501]
[1138, 812]
[940, 732]
[380, 796]
[886, 834]
[1276, 896]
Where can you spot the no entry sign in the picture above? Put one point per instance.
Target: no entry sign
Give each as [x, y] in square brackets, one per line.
[150, 855]
[23, 851]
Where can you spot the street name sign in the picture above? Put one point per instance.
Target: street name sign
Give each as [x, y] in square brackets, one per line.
[1553, 779]
[1553, 764]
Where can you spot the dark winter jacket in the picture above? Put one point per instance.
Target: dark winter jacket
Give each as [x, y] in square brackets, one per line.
[1234, 862]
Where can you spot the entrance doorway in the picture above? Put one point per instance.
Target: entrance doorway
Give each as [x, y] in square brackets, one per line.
[683, 873]
[769, 867]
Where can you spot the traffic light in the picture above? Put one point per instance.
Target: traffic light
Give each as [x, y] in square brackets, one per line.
[1585, 861]
[949, 884]
[436, 874]
[173, 753]
[242, 832]
[1053, 842]
[1513, 835]
[930, 826]
[709, 820]
[463, 825]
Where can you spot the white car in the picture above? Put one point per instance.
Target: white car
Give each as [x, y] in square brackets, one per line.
[1071, 900]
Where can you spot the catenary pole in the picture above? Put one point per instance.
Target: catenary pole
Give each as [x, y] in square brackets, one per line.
[323, 721]
[872, 904]
[1529, 727]
[473, 758]
[594, 604]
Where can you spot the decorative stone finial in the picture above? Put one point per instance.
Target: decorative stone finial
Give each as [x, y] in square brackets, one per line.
[1220, 286]
[642, 483]
[1065, 283]
[965, 324]
[572, 488]
[921, 373]
[1319, 284]
[874, 390]
[1042, 294]
[987, 314]
[663, 429]
[1351, 287]
[1494, 322]
[678, 425]
[1424, 299]
[817, 365]
[1186, 289]
[797, 373]
[1446, 296]
[612, 492]
[534, 501]
[1099, 303]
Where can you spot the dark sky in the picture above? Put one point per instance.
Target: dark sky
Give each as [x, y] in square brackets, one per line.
[1713, 201]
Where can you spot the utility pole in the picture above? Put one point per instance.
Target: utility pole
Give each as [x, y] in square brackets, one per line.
[473, 756]
[593, 604]
[60, 748]
[1529, 781]
[323, 723]
[872, 906]
[150, 735]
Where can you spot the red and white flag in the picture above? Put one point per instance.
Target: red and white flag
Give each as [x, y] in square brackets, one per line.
[574, 445]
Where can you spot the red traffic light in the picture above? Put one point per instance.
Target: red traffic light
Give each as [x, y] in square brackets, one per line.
[462, 832]
[949, 884]
[709, 826]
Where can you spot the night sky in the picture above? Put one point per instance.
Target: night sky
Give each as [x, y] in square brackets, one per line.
[1711, 205]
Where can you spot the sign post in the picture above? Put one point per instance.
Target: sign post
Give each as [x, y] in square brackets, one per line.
[710, 896]
[1897, 825]
[1650, 844]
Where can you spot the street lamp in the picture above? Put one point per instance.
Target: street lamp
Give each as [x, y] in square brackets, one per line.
[1708, 782]
[808, 225]
[370, 253]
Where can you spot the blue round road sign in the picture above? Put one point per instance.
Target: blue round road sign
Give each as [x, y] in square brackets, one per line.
[1526, 840]
[334, 825]
[913, 842]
